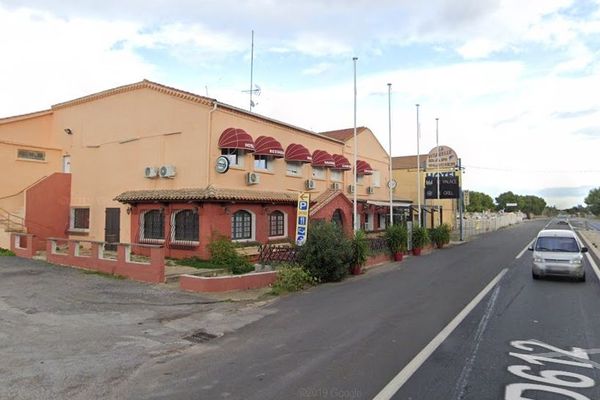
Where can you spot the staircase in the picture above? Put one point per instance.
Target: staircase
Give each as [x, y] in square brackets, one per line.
[9, 223]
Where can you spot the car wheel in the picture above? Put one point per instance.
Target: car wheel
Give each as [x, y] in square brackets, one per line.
[582, 279]
[534, 275]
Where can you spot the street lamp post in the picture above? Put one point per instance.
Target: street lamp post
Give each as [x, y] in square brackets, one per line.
[390, 185]
[437, 146]
[418, 170]
[354, 209]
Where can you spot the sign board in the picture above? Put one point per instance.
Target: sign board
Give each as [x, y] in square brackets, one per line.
[449, 188]
[222, 164]
[302, 217]
[511, 204]
[443, 159]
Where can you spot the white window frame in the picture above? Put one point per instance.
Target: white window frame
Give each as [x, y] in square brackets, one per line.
[285, 225]
[376, 179]
[298, 168]
[269, 160]
[25, 151]
[319, 173]
[252, 227]
[142, 222]
[72, 227]
[382, 221]
[337, 175]
[237, 155]
[183, 242]
[369, 222]
[360, 179]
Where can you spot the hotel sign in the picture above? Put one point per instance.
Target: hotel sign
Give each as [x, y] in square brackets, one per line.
[443, 159]
[302, 218]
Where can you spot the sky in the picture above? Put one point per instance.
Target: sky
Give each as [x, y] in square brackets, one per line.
[514, 83]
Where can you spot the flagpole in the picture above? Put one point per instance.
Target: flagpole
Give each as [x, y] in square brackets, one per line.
[418, 170]
[354, 209]
[390, 144]
[437, 146]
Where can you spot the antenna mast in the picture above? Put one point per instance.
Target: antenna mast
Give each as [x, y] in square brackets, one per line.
[251, 70]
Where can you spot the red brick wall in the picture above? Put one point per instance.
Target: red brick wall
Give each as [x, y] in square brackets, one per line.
[326, 213]
[47, 208]
[214, 218]
[226, 283]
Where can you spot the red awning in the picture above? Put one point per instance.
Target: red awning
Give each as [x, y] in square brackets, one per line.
[267, 146]
[341, 162]
[363, 168]
[321, 158]
[297, 152]
[235, 138]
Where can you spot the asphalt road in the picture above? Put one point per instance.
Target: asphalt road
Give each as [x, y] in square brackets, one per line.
[348, 340]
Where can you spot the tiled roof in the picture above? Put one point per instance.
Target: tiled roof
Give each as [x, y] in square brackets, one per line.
[343, 134]
[25, 116]
[209, 193]
[407, 162]
[324, 198]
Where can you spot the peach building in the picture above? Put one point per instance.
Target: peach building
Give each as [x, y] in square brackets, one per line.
[147, 163]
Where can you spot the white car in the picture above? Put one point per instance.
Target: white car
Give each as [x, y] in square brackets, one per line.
[558, 252]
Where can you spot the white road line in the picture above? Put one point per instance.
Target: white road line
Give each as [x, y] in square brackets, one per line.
[589, 257]
[524, 250]
[400, 379]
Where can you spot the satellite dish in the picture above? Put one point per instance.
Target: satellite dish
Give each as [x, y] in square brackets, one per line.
[256, 90]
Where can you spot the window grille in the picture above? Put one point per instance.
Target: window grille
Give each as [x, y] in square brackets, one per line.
[276, 224]
[241, 225]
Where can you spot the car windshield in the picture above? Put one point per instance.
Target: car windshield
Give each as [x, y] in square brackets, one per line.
[560, 244]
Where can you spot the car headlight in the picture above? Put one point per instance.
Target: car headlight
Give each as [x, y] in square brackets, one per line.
[575, 261]
[538, 259]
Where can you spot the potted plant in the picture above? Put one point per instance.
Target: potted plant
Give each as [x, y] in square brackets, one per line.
[420, 238]
[441, 235]
[397, 240]
[360, 252]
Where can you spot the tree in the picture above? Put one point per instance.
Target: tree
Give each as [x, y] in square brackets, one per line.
[479, 202]
[532, 205]
[506, 197]
[593, 201]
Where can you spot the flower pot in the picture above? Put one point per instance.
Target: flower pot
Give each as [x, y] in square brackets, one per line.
[356, 270]
[416, 251]
[398, 256]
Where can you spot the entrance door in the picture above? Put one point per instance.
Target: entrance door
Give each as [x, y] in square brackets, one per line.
[67, 164]
[112, 228]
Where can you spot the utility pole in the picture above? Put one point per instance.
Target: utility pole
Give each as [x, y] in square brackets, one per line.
[460, 200]
[418, 170]
[354, 210]
[390, 185]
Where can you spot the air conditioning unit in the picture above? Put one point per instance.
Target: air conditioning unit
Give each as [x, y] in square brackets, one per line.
[151, 172]
[310, 184]
[252, 178]
[350, 188]
[370, 190]
[167, 171]
[336, 186]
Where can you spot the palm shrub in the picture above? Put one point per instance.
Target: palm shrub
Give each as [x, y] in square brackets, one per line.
[420, 237]
[360, 250]
[291, 278]
[397, 238]
[327, 252]
[441, 235]
[223, 254]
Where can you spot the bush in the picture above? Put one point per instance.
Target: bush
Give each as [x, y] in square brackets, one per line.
[223, 254]
[327, 253]
[291, 278]
[420, 237]
[360, 249]
[440, 235]
[6, 252]
[397, 238]
[196, 262]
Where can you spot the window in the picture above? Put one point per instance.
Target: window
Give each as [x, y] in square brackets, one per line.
[185, 226]
[360, 179]
[80, 218]
[337, 218]
[236, 156]
[294, 168]
[263, 162]
[337, 175]
[276, 224]
[368, 222]
[241, 225]
[376, 179]
[558, 244]
[383, 220]
[31, 155]
[318, 173]
[152, 225]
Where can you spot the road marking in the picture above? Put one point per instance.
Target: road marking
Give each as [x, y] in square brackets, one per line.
[400, 379]
[589, 257]
[524, 250]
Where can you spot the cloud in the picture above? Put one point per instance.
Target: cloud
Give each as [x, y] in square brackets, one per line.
[574, 114]
[318, 69]
[592, 132]
[570, 191]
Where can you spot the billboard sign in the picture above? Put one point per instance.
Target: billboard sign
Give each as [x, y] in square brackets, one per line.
[449, 187]
[444, 159]
[302, 218]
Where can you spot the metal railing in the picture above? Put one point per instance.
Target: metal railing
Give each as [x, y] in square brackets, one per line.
[11, 222]
[477, 225]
